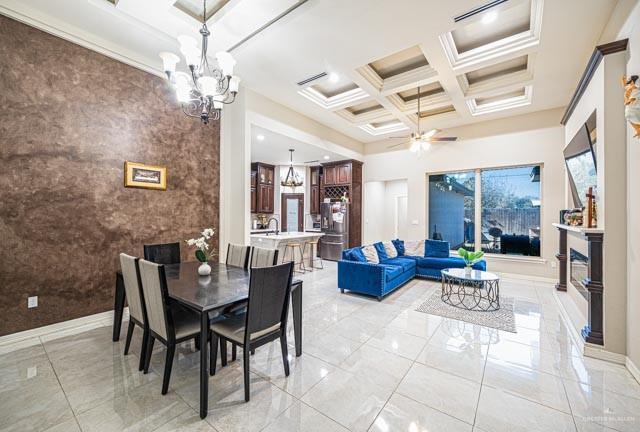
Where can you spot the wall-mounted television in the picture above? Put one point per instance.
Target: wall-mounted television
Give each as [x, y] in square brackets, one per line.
[580, 157]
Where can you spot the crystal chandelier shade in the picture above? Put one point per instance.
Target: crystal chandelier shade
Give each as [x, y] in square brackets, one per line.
[205, 90]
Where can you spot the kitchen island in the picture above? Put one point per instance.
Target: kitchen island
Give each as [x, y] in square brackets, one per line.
[279, 242]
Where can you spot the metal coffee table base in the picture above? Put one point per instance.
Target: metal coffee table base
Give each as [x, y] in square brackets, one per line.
[483, 296]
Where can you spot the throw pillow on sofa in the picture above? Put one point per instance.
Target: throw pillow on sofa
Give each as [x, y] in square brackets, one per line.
[390, 249]
[399, 245]
[414, 248]
[355, 254]
[436, 249]
[371, 254]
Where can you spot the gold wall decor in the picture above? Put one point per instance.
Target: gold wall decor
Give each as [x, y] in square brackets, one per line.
[137, 175]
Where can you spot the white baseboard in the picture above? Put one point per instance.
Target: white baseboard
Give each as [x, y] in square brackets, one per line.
[633, 369]
[506, 275]
[599, 353]
[54, 331]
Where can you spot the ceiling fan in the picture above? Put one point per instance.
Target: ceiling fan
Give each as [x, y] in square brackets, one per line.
[420, 141]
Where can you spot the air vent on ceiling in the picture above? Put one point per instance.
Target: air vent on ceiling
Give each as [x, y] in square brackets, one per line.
[311, 79]
[478, 10]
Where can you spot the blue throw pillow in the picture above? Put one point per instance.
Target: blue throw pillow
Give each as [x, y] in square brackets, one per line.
[382, 254]
[354, 254]
[436, 249]
[399, 245]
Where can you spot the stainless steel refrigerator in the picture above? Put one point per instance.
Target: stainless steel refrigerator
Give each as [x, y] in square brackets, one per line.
[334, 223]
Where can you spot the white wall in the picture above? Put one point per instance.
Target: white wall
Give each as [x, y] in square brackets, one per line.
[379, 203]
[536, 146]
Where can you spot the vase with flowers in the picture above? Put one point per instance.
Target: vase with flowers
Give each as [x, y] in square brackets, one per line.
[204, 251]
[470, 258]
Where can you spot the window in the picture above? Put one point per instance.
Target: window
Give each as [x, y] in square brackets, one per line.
[509, 219]
[452, 208]
[510, 201]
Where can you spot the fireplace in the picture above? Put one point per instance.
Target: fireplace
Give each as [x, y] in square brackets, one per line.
[579, 271]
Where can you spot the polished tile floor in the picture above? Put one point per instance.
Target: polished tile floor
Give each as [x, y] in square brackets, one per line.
[367, 366]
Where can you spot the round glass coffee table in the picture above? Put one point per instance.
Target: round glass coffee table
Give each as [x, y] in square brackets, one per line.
[476, 290]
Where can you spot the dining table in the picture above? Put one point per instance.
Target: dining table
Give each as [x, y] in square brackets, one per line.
[225, 286]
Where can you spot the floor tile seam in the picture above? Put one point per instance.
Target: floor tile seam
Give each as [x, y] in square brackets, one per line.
[599, 388]
[484, 369]
[66, 398]
[566, 395]
[188, 408]
[546, 350]
[511, 393]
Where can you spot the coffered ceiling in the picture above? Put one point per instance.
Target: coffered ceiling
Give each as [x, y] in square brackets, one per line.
[368, 56]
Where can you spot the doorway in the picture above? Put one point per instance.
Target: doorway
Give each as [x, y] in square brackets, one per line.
[401, 217]
[292, 211]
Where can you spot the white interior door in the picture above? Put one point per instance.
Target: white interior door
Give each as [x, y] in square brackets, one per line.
[401, 217]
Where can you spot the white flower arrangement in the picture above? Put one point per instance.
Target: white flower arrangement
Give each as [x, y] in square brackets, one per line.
[203, 254]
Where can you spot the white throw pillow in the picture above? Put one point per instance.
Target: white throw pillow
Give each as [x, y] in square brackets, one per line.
[371, 254]
[414, 248]
[390, 249]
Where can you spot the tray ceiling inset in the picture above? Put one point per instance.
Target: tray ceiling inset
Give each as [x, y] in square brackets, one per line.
[193, 8]
[400, 62]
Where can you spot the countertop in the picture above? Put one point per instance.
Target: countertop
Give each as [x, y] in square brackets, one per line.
[287, 236]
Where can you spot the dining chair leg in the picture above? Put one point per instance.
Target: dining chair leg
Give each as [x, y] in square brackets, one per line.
[127, 344]
[285, 354]
[213, 354]
[245, 366]
[168, 363]
[234, 352]
[143, 350]
[223, 352]
[197, 343]
[147, 358]
[253, 352]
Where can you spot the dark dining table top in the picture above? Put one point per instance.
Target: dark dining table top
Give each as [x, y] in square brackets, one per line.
[224, 286]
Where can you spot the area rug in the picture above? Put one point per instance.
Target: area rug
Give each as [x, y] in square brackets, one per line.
[502, 319]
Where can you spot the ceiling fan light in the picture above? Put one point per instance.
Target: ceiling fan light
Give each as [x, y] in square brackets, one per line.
[415, 146]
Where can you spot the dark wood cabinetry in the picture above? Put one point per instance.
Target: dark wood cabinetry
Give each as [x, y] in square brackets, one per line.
[314, 191]
[345, 177]
[262, 187]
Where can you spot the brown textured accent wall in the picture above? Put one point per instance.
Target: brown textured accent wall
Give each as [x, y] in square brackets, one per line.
[69, 118]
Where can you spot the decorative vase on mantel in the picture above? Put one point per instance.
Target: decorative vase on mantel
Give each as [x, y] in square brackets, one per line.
[204, 251]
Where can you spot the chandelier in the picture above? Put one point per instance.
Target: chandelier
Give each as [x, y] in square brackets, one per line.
[205, 90]
[292, 179]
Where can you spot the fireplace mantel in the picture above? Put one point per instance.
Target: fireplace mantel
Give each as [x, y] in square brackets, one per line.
[593, 331]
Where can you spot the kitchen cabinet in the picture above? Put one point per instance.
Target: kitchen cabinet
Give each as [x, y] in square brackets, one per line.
[314, 191]
[262, 187]
[329, 177]
[343, 174]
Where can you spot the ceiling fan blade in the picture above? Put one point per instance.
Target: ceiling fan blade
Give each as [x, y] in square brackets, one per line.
[398, 137]
[444, 139]
[396, 145]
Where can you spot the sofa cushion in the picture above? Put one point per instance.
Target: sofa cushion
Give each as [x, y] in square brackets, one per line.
[392, 271]
[390, 249]
[405, 263]
[399, 245]
[371, 254]
[354, 254]
[382, 253]
[436, 249]
[440, 263]
[414, 248]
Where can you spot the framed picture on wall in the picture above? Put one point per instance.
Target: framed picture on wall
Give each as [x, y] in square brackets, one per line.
[137, 175]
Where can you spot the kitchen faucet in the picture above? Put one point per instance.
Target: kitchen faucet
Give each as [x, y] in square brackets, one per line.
[277, 224]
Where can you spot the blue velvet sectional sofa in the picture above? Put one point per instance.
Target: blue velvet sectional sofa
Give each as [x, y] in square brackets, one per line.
[357, 274]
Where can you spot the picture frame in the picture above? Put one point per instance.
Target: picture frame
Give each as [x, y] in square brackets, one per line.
[142, 176]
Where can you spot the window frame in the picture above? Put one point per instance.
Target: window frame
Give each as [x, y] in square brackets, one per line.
[478, 207]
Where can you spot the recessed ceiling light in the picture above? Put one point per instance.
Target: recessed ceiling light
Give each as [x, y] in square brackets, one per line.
[260, 137]
[489, 17]
[326, 157]
[334, 77]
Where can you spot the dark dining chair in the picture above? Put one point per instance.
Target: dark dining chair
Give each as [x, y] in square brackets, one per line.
[170, 326]
[167, 253]
[238, 255]
[137, 312]
[264, 321]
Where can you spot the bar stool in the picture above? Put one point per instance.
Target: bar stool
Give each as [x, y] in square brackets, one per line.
[313, 252]
[291, 248]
